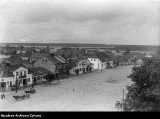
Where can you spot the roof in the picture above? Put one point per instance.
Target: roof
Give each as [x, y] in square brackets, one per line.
[39, 55]
[39, 71]
[12, 68]
[6, 74]
[74, 60]
[17, 60]
[7, 70]
[56, 59]
[100, 55]
[85, 61]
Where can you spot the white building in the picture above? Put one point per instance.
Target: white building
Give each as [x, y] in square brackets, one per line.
[97, 63]
[99, 60]
[9, 75]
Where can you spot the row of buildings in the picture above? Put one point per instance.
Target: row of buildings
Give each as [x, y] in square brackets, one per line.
[26, 69]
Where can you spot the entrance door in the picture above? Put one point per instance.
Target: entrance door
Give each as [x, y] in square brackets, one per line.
[24, 82]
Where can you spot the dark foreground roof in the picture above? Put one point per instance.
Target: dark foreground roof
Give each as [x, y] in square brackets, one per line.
[39, 71]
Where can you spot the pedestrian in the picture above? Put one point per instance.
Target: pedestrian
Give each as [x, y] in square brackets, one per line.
[3, 95]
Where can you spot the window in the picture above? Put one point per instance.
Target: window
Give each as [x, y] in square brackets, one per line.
[91, 59]
[10, 83]
[16, 73]
[24, 72]
[7, 82]
[28, 79]
[46, 61]
[2, 79]
[43, 60]
[94, 59]
[21, 73]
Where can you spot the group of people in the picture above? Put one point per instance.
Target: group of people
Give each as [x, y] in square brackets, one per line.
[2, 96]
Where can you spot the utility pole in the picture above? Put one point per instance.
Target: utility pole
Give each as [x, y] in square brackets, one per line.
[123, 101]
[16, 84]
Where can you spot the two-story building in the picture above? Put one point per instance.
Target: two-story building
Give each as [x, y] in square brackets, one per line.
[77, 66]
[37, 56]
[87, 66]
[99, 60]
[10, 74]
[54, 63]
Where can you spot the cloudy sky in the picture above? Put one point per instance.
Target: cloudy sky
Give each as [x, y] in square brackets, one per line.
[130, 22]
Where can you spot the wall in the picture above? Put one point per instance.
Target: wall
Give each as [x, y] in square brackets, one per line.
[7, 80]
[48, 65]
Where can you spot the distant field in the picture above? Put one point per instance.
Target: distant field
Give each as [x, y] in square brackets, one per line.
[102, 46]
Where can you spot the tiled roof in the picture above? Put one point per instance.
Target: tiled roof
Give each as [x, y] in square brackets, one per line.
[38, 71]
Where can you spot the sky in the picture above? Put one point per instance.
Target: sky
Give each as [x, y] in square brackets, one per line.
[129, 22]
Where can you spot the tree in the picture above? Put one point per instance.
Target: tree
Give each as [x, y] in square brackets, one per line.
[144, 93]
[49, 77]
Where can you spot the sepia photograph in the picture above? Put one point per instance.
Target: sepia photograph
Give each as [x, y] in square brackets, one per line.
[79, 55]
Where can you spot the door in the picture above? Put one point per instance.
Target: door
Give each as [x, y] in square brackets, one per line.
[24, 82]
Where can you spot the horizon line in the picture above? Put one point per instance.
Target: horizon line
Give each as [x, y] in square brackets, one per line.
[78, 43]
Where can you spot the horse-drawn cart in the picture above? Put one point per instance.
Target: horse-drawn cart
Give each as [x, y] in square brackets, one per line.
[31, 91]
[21, 97]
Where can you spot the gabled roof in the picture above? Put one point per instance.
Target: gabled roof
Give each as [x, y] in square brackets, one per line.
[38, 71]
[53, 59]
[12, 68]
[60, 58]
[85, 62]
[100, 55]
[6, 74]
[7, 70]
[56, 59]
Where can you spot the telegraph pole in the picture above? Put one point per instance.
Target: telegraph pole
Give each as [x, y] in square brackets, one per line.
[123, 101]
[16, 84]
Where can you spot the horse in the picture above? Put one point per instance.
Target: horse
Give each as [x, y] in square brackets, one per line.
[16, 97]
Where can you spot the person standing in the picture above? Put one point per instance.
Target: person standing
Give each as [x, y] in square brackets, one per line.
[3, 95]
